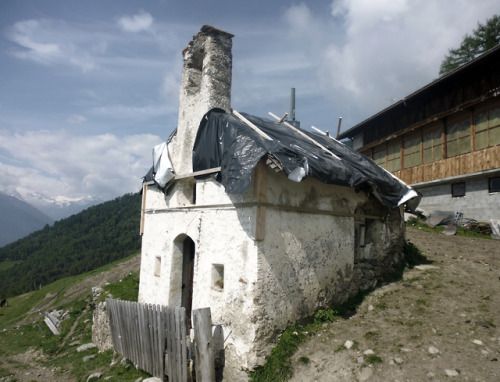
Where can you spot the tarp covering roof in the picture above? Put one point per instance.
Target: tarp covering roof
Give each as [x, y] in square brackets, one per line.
[224, 140]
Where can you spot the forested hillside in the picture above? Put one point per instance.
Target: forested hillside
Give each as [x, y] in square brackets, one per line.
[79, 243]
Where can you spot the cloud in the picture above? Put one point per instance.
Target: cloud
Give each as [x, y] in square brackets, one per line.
[134, 112]
[59, 164]
[76, 119]
[136, 23]
[369, 54]
[44, 42]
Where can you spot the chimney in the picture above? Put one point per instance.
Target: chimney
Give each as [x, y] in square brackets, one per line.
[205, 84]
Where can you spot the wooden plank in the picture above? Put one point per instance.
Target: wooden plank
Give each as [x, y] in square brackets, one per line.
[252, 126]
[218, 341]
[159, 349]
[185, 377]
[205, 370]
[146, 338]
[307, 137]
[196, 173]
[161, 333]
[173, 345]
[177, 342]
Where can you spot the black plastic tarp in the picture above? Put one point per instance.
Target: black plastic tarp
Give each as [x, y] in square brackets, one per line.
[226, 141]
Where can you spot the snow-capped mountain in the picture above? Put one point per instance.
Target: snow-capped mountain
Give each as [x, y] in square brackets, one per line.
[60, 207]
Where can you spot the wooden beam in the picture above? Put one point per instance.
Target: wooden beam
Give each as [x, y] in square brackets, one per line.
[338, 128]
[143, 205]
[306, 137]
[196, 173]
[251, 125]
[318, 130]
[260, 196]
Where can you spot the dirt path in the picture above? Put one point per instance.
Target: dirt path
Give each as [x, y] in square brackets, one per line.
[439, 323]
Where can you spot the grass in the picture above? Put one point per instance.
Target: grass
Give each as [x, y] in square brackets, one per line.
[6, 264]
[126, 289]
[24, 305]
[58, 353]
[461, 231]
[278, 365]
[373, 359]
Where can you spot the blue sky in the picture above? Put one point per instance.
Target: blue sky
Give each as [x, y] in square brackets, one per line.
[87, 88]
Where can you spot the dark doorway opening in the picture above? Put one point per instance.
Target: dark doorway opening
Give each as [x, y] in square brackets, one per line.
[187, 277]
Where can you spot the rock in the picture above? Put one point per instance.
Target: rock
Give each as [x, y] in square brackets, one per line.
[152, 379]
[96, 290]
[348, 344]
[405, 350]
[360, 360]
[398, 360]
[451, 373]
[368, 352]
[94, 376]
[370, 308]
[84, 347]
[138, 379]
[425, 267]
[433, 350]
[477, 342]
[366, 374]
[88, 357]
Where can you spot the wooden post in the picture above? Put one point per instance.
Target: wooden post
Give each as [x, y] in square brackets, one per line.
[260, 191]
[205, 369]
[338, 128]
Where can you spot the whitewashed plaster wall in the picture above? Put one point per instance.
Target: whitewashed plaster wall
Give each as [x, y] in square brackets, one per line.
[305, 261]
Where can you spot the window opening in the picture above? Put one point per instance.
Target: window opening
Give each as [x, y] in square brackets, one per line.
[458, 190]
[432, 145]
[394, 157]
[458, 138]
[487, 128]
[494, 184]
[157, 268]
[218, 276]
[412, 151]
[379, 156]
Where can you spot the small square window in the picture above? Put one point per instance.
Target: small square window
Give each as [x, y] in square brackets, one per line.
[157, 269]
[494, 184]
[218, 276]
[458, 190]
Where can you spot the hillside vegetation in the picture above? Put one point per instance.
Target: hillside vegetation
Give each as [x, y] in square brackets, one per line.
[97, 236]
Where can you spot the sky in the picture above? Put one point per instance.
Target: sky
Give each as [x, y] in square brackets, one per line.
[87, 88]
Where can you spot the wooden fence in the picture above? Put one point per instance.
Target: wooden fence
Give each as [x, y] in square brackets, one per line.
[154, 338]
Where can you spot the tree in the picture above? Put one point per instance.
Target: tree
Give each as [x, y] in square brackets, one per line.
[483, 38]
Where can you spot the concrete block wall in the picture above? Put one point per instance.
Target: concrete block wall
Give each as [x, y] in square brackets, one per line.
[477, 203]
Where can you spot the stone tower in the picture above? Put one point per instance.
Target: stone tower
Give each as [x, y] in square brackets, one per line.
[206, 84]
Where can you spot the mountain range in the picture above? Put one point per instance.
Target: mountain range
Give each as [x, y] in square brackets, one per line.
[18, 219]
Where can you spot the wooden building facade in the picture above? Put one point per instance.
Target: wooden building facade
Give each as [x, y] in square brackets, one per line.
[444, 139]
